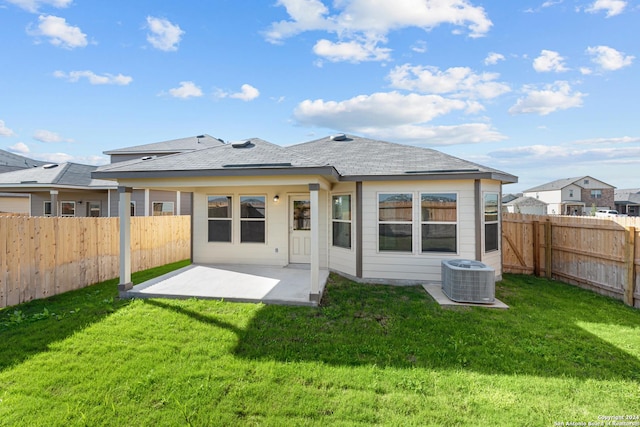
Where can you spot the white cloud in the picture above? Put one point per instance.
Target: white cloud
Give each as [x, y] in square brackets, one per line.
[163, 34]
[612, 7]
[420, 46]
[552, 155]
[608, 58]
[186, 90]
[94, 79]
[368, 23]
[612, 140]
[549, 61]
[352, 51]
[460, 81]
[470, 133]
[553, 97]
[493, 58]
[585, 71]
[59, 32]
[19, 148]
[247, 93]
[48, 136]
[378, 110]
[34, 5]
[4, 130]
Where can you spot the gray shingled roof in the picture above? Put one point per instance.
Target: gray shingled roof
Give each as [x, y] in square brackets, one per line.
[11, 162]
[353, 158]
[629, 195]
[257, 154]
[181, 145]
[62, 175]
[559, 184]
[357, 156]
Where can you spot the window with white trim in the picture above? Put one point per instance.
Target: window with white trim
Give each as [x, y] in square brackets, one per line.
[491, 222]
[219, 218]
[253, 219]
[596, 194]
[67, 208]
[395, 222]
[341, 220]
[439, 222]
[162, 208]
[93, 209]
[47, 208]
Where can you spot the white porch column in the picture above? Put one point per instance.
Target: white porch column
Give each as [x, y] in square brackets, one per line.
[54, 202]
[146, 202]
[314, 294]
[125, 239]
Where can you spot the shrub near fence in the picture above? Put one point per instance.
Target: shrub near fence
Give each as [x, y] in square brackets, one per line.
[41, 257]
[601, 254]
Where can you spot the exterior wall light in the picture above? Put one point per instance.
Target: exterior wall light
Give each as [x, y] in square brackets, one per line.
[276, 198]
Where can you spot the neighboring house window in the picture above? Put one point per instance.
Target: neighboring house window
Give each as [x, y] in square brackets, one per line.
[395, 222]
[93, 209]
[341, 221]
[570, 193]
[438, 222]
[596, 194]
[162, 208]
[491, 222]
[586, 181]
[68, 208]
[219, 215]
[252, 219]
[47, 209]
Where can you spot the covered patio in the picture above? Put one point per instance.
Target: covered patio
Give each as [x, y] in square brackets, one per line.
[241, 283]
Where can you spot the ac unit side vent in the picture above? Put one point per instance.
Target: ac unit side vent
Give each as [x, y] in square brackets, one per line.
[468, 281]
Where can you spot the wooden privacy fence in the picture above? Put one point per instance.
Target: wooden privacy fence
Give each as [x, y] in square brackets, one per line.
[41, 257]
[601, 254]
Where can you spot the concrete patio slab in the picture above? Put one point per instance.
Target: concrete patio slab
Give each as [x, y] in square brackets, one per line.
[435, 290]
[242, 283]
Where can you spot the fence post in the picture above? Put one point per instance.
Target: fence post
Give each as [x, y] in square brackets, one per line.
[536, 248]
[631, 259]
[547, 248]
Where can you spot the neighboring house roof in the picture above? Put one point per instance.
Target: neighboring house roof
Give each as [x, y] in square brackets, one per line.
[64, 175]
[559, 184]
[509, 197]
[344, 158]
[11, 162]
[627, 196]
[526, 201]
[182, 145]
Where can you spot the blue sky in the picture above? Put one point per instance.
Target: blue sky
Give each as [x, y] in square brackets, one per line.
[540, 89]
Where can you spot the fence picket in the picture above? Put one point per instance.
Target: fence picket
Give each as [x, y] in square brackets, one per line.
[41, 257]
[600, 254]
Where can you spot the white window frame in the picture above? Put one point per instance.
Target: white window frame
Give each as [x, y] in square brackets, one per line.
[95, 203]
[44, 208]
[229, 218]
[247, 219]
[422, 222]
[62, 210]
[343, 221]
[491, 222]
[153, 210]
[409, 222]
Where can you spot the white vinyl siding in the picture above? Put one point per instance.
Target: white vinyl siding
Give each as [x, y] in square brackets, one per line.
[415, 266]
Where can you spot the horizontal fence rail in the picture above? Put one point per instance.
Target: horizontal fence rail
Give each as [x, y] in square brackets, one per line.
[601, 254]
[45, 256]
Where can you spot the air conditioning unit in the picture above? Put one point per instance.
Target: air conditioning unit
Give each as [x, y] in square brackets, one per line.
[466, 280]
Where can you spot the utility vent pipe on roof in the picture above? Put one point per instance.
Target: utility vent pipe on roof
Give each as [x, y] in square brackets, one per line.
[242, 144]
[339, 137]
[50, 166]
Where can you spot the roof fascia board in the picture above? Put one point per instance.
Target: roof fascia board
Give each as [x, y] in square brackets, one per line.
[235, 172]
[505, 178]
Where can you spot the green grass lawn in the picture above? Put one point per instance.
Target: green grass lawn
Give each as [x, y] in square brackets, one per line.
[370, 355]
